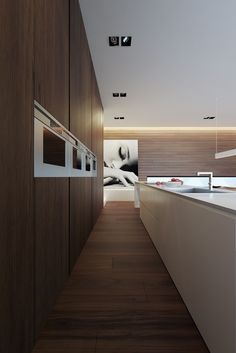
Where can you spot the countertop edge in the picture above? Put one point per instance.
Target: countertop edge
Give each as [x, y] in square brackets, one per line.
[189, 197]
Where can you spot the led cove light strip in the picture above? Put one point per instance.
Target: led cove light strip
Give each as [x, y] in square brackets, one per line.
[166, 128]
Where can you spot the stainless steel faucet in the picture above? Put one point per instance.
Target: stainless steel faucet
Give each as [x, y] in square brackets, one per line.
[210, 175]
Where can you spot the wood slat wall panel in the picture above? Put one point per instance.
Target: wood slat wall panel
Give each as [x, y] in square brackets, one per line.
[16, 177]
[180, 152]
[51, 22]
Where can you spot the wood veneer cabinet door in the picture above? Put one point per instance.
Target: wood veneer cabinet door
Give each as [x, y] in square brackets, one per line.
[80, 126]
[51, 244]
[51, 18]
[51, 194]
[80, 216]
[16, 177]
[80, 77]
[97, 148]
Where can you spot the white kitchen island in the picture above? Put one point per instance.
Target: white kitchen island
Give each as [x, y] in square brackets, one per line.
[195, 236]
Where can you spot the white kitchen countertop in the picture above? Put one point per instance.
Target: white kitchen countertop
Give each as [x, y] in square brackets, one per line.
[224, 200]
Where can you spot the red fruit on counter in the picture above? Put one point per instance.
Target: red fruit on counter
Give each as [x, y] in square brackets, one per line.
[176, 180]
[160, 183]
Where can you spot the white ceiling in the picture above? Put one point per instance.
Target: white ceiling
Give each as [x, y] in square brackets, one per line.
[182, 60]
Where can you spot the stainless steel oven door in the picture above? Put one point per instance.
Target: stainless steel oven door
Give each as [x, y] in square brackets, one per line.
[52, 152]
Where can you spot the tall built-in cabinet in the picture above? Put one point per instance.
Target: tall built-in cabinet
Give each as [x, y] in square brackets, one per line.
[16, 177]
[51, 90]
[80, 125]
[44, 222]
[97, 147]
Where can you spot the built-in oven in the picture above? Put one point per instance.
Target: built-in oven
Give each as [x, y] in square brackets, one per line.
[57, 152]
[52, 151]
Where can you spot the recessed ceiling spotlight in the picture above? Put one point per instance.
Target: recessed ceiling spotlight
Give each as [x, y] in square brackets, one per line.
[114, 41]
[115, 94]
[209, 117]
[121, 117]
[126, 41]
[123, 94]
[116, 118]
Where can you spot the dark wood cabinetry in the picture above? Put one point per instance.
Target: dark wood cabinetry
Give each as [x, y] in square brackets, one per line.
[16, 177]
[51, 244]
[80, 77]
[51, 63]
[81, 124]
[44, 222]
[97, 147]
[51, 59]
[80, 215]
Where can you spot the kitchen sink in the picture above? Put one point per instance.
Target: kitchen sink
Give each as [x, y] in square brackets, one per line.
[203, 191]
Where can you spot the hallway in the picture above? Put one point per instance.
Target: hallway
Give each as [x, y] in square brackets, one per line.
[120, 297]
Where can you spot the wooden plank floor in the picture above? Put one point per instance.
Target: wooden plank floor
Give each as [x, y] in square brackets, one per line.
[120, 297]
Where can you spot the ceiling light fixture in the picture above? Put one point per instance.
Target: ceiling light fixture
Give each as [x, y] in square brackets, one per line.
[114, 41]
[126, 41]
[122, 94]
[209, 117]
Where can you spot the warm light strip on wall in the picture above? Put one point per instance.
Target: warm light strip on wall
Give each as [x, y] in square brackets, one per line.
[171, 128]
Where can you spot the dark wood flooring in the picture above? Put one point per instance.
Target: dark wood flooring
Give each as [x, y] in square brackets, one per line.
[120, 297]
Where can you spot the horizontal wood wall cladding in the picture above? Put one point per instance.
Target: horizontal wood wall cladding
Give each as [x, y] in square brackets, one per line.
[16, 176]
[97, 148]
[51, 244]
[51, 23]
[180, 152]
